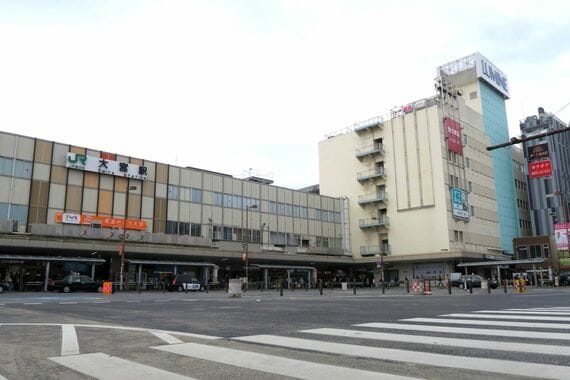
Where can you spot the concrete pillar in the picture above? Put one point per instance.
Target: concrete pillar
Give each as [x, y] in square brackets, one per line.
[315, 279]
[206, 274]
[140, 274]
[499, 274]
[46, 277]
[265, 278]
[289, 278]
[215, 274]
[175, 270]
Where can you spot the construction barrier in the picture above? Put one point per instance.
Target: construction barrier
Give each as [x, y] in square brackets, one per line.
[107, 288]
[520, 285]
[427, 287]
[417, 287]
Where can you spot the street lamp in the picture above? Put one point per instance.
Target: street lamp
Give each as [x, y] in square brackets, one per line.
[246, 243]
[123, 239]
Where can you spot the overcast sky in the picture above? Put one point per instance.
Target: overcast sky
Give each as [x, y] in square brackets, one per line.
[233, 85]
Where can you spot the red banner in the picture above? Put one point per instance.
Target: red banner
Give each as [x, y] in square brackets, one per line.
[105, 221]
[453, 135]
[540, 169]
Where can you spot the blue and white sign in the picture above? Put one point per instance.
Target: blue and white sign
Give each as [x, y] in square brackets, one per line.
[491, 74]
[459, 205]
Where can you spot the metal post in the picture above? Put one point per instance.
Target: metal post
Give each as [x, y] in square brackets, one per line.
[407, 285]
[140, 277]
[93, 272]
[46, 278]
[505, 285]
[281, 287]
[353, 285]
[489, 285]
[321, 286]
[448, 285]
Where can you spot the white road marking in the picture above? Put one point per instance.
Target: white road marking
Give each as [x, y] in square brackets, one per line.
[180, 333]
[440, 341]
[536, 370]
[537, 325]
[101, 302]
[166, 337]
[3, 378]
[133, 301]
[517, 317]
[105, 367]
[522, 312]
[67, 303]
[470, 331]
[33, 303]
[272, 364]
[69, 342]
[161, 300]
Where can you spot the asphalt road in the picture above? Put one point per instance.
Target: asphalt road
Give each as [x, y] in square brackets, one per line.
[210, 335]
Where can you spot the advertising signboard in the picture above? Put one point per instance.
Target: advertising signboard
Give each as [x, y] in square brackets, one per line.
[491, 74]
[105, 221]
[561, 235]
[453, 135]
[459, 206]
[537, 152]
[539, 169]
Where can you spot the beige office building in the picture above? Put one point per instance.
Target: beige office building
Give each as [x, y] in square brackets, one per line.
[420, 183]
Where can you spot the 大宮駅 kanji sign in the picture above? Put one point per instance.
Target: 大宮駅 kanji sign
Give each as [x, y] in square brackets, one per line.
[105, 166]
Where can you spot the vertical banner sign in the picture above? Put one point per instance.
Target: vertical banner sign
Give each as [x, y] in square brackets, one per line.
[540, 169]
[453, 135]
[459, 206]
[561, 235]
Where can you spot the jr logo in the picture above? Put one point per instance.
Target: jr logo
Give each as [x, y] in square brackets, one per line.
[75, 157]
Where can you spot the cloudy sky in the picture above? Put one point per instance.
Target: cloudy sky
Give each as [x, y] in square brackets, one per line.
[233, 85]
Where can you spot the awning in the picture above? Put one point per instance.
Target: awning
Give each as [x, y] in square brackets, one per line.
[52, 258]
[504, 262]
[261, 266]
[160, 262]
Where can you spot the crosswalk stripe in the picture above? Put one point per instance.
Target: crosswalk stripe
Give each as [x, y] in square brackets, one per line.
[518, 317]
[522, 312]
[69, 343]
[469, 331]
[561, 326]
[441, 341]
[543, 309]
[544, 371]
[166, 337]
[272, 364]
[105, 367]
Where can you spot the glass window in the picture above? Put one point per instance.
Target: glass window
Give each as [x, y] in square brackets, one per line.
[522, 252]
[185, 194]
[3, 211]
[296, 211]
[196, 195]
[546, 250]
[288, 210]
[281, 208]
[19, 213]
[304, 212]
[171, 227]
[228, 233]
[23, 169]
[6, 166]
[183, 228]
[318, 214]
[237, 200]
[218, 199]
[256, 236]
[228, 200]
[195, 229]
[272, 207]
[172, 192]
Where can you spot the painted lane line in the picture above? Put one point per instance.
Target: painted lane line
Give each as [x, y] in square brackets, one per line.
[166, 337]
[273, 364]
[161, 300]
[105, 367]
[452, 342]
[133, 301]
[518, 317]
[523, 312]
[3, 378]
[187, 300]
[111, 327]
[509, 367]
[470, 331]
[101, 302]
[68, 303]
[33, 303]
[69, 342]
[562, 326]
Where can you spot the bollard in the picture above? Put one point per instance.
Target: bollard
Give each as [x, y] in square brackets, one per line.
[281, 288]
[407, 286]
[383, 287]
[353, 286]
[207, 287]
[448, 286]
[489, 285]
[470, 284]
[505, 285]
[321, 287]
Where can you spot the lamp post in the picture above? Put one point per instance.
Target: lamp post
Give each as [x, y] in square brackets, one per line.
[246, 244]
[123, 239]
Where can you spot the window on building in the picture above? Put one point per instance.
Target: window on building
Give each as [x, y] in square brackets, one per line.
[195, 229]
[455, 235]
[467, 162]
[522, 252]
[196, 195]
[535, 251]
[218, 199]
[472, 210]
[172, 192]
[461, 236]
[546, 251]
[470, 186]
[473, 95]
[22, 169]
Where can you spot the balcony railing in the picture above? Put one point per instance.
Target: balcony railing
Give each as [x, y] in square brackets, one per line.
[370, 174]
[372, 198]
[373, 250]
[383, 221]
[368, 124]
[370, 150]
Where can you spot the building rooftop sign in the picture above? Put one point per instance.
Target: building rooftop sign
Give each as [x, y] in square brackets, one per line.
[491, 74]
[105, 166]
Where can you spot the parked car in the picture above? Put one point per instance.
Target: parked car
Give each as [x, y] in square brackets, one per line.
[564, 279]
[75, 282]
[184, 281]
[472, 280]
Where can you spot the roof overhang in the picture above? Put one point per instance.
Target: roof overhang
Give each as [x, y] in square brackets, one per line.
[51, 258]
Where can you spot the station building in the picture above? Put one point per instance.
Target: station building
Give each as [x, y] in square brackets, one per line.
[424, 194]
[63, 208]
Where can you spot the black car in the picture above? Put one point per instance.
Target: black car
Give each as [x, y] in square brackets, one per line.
[472, 280]
[75, 282]
[564, 279]
[184, 282]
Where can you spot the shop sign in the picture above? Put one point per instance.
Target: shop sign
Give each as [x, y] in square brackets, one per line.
[537, 152]
[561, 235]
[459, 205]
[491, 74]
[453, 135]
[105, 166]
[540, 169]
[105, 221]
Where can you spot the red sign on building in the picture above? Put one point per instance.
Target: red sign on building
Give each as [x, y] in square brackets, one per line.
[540, 169]
[453, 135]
